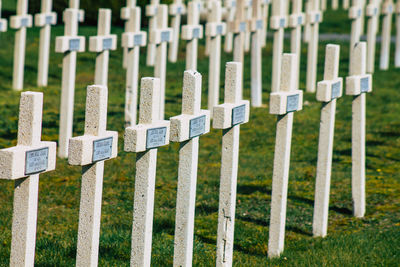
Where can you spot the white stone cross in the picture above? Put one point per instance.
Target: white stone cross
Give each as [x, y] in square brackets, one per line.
[397, 51]
[345, 4]
[214, 30]
[283, 104]
[248, 14]
[328, 91]
[44, 20]
[74, 4]
[387, 11]
[265, 12]
[324, 4]
[23, 164]
[238, 27]
[372, 13]
[277, 24]
[160, 36]
[20, 22]
[176, 10]
[125, 15]
[132, 40]
[355, 16]
[69, 44]
[230, 6]
[306, 32]
[152, 12]
[256, 25]
[335, 4]
[3, 22]
[186, 129]
[228, 117]
[144, 139]
[102, 44]
[314, 18]
[192, 32]
[357, 84]
[90, 151]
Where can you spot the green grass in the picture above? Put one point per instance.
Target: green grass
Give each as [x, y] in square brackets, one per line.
[373, 240]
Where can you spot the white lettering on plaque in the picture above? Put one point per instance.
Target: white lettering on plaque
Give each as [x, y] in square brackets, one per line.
[197, 126]
[107, 43]
[364, 84]
[238, 115]
[156, 137]
[336, 90]
[102, 149]
[165, 36]
[242, 26]
[292, 103]
[196, 33]
[74, 44]
[36, 160]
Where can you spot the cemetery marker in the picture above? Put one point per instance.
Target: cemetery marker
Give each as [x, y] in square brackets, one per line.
[372, 13]
[125, 16]
[152, 12]
[230, 7]
[397, 52]
[176, 10]
[387, 10]
[296, 20]
[314, 17]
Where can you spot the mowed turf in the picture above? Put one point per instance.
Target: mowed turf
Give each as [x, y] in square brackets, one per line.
[373, 240]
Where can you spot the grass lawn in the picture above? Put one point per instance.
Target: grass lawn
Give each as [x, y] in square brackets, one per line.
[373, 240]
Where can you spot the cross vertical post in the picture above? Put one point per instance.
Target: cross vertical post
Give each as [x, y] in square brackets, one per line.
[125, 15]
[397, 51]
[152, 12]
[314, 18]
[265, 12]
[387, 11]
[230, 6]
[238, 27]
[176, 10]
[372, 13]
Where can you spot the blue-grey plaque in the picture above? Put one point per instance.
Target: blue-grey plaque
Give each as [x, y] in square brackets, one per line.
[137, 39]
[49, 19]
[220, 29]
[282, 22]
[375, 11]
[238, 114]
[165, 36]
[102, 149]
[107, 43]
[317, 17]
[24, 22]
[233, 3]
[36, 161]
[359, 13]
[364, 84]
[292, 103]
[259, 24]
[179, 10]
[197, 126]
[390, 8]
[336, 90]
[74, 44]
[242, 26]
[300, 20]
[156, 137]
[196, 33]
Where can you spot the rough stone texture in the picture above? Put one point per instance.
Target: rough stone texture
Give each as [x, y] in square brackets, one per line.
[280, 176]
[314, 17]
[387, 11]
[325, 145]
[152, 11]
[188, 34]
[176, 10]
[372, 13]
[68, 79]
[229, 168]
[96, 44]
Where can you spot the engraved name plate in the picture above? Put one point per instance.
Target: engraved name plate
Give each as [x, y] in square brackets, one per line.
[300, 20]
[197, 126]
[292, 103]
[359, 13]
[196, 33]
[165, 36]
[179, 10]
[375, 11]
[102, 149]
[49, 19]
[107, 43]
[74, 44]
[364, 84]
[390, 8]
[317, 17]
[24, 22]
[36, 160]
[336, 90]
[219, 29]
[259, 24]
[282, 22]
[242, 26]
[238, 114]
[137, 39]
[156, 137]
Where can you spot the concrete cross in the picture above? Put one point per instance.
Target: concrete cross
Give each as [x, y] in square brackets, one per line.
[248, 10]
[90, 151]
[238, 27]
[345, 4]
[152, 12]
[355, 13]
[102, 44]
[23, 164]
[357, 84]
[214, 30]
[283, 103]
[3, 22]
[277, 24]
[69, 44]
[228, 117]
[372, 13]
[230, 7]
[328, 91]
[387, 11]
[314, 18]
[44, 20]
[176, 10]
[144, 139]
[397, 52]
[186, 129]
[160, 36]
[125, 15]
[335, 4]
[265, 12]
[306, 33]
[256, 25]
[20, 22]
[132, 40]
[191, 33]
[324, 4]
[74, 4]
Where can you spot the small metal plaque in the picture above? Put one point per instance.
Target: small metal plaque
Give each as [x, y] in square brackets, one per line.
[24, 22]
[242, 26]
[238, 114]
[359, 13]
[318, 18]
[282, 22]
[375, 11]
[336, 90]
[292, 103]
[259, 24]
[165, 36]
[107, 43]
[74, 44]
[137, 40]
[233, 3]
[102, 149]
[36, 161]
[196, 33]
[390, 8]
[156, 137]
[197, 126]
[49, 19]
[300, 20]
[179, 10]
[220, 29]
[364, 84]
